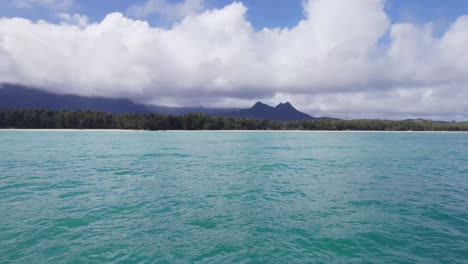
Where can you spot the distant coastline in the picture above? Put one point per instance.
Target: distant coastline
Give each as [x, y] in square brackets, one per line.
[221, 131]
[97, 121]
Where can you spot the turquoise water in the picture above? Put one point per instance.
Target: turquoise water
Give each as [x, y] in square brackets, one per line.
[212, 197]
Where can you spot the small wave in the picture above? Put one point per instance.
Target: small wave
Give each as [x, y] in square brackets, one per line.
[159, 155]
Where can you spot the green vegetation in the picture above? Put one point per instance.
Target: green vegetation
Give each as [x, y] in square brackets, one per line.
[39, 118]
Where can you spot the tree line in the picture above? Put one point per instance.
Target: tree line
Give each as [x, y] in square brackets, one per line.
[50, 119]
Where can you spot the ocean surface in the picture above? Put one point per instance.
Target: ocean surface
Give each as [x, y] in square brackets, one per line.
[233, 197]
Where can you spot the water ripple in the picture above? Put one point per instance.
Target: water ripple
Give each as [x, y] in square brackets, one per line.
[188, 197]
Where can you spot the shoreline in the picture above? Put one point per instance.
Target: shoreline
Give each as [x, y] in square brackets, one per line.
[223, 131]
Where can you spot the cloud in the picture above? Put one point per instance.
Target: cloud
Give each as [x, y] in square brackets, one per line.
[330, 63]
[169, 11]
[73, 19]
[52, 4]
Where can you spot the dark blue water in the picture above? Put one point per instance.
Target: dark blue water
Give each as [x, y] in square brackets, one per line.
[232, 197]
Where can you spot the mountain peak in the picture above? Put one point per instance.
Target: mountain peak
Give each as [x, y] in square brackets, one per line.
[259, 105]
[282, 112]
[286, 105]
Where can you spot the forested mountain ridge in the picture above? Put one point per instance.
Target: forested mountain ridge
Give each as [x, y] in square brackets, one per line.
[18, 97]
[13, 96]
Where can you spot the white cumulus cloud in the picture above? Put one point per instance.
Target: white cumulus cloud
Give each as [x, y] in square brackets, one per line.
[330, 63]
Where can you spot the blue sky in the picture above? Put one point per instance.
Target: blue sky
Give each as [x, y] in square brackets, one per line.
[261, 13]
